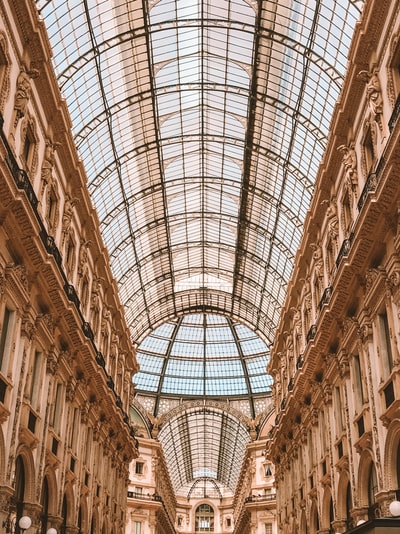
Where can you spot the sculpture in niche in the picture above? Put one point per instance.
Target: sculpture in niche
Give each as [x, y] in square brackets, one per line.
[105, 320]
[23, 92]
[318, 260]
[47, 165]
[68, 210]
[83, 256]
[113, 353]
[333, 222]
[374, 94]
[350, 164]
[95, 296]
[307, 295]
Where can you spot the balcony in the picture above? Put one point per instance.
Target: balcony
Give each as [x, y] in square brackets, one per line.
[144, 496]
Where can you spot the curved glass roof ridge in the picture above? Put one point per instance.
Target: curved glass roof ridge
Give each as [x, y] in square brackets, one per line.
[203, 356]
[201, 125]
[202, 446]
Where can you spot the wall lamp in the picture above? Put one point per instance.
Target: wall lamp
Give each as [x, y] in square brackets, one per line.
[394, 506]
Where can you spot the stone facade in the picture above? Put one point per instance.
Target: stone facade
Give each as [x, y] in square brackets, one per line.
[335, 359]
[66, 359]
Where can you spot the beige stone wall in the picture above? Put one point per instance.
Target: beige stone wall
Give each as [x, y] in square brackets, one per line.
[66, 361]
[335, 359]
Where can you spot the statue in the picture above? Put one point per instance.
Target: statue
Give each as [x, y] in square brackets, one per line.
[350, 164]
[23, 91]
[374, 93]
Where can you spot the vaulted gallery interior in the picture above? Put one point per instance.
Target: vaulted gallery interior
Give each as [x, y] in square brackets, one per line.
[199, 266]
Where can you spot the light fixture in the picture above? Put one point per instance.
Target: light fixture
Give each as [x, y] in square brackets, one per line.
[24, 523]
[51, 531]
[394, 508]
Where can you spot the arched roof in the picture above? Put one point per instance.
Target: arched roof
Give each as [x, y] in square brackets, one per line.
[201, 125]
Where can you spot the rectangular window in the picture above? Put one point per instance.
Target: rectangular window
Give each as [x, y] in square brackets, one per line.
[57, 410]
[139, 468]
[35, 379]
[6, 339]
[88, 446]
[267, 470]
[385, 347]
[310, 449]
[268, 528]
[74, 430]
[137, 527]
[358, 383]
[339, 412]
[323, 431]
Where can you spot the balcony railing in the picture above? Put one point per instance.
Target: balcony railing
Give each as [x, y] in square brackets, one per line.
[261, 498]
[144, 496]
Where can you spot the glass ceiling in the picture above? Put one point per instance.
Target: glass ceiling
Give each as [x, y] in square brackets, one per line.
[202, 447]
[201, 125]
[203, 355]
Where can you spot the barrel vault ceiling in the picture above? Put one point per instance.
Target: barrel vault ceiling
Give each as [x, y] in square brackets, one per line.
[201, 125]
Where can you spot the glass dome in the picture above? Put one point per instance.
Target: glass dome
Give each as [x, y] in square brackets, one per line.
[203, 355]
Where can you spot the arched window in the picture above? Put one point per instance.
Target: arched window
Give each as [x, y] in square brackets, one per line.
[331, 516]
[204, 518]
[80, 519]
[19, 490]
[349, 506]
[372, 490]
[44, 501]
[64, 515]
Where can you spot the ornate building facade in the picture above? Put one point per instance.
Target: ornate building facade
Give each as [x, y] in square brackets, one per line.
[335, 359]
[153, 506]
[66, 359]
[75, 456]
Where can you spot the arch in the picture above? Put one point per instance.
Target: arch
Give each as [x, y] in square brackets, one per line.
[363, 477]
[210, 482]
[327, 515]
[344, 498]
[106, 528]
[314, 517]
[48, 499]
[303, 523]
[24, 455]
[50, 475]
[68, 507]
[95, 523]
[83, 515]
[204, 518]
[391, 463]
[367, 484]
